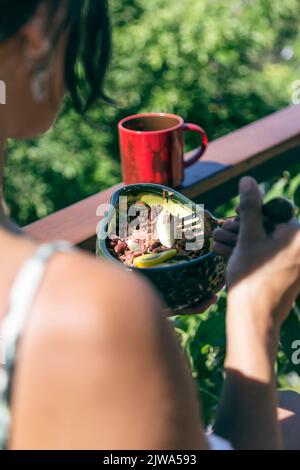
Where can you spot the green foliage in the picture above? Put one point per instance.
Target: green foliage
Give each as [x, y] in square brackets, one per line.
[219, 63]
[203, 340]
[216, 63]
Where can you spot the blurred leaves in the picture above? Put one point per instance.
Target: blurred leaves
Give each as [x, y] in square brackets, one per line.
[217, 63]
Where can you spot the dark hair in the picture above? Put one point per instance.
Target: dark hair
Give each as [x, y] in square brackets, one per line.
[89, 42]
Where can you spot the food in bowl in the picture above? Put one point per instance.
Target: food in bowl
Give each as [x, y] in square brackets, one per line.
[185, 270]
[159, 237]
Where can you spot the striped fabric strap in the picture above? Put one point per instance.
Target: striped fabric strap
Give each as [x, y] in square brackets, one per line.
[21, 298]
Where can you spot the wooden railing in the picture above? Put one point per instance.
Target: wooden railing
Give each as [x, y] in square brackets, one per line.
[262, 149]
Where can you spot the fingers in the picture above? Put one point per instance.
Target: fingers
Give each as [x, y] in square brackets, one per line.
[250, 208]
[223, 250]
[225, 238]
[232, 225]
[224, 242]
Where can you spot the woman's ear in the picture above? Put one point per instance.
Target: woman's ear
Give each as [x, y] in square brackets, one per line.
[35, 45]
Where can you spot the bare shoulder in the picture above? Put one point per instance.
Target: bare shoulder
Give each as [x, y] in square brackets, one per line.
[71, 354]
[78, 285]
[83, 298]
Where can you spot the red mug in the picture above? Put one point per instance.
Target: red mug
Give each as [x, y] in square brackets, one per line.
[152, 148]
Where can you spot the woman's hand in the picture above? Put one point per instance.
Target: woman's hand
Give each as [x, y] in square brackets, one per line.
[263, 279]
[266, 267]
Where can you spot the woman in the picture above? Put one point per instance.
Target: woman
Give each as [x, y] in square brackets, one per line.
[86, 368]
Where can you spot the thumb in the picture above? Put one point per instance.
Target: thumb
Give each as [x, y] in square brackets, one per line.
[250, 209]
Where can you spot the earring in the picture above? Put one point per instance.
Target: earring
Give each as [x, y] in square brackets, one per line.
[34, 55]
[39, 62]
[40, 86]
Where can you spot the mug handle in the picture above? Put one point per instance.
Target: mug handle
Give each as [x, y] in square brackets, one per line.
[196, 154]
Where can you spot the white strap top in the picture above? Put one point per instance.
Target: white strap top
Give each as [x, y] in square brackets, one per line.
[21, 298]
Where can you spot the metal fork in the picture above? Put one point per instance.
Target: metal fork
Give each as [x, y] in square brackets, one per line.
[276, 211]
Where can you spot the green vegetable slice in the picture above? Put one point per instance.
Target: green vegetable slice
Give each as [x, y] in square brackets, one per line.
[155, 259]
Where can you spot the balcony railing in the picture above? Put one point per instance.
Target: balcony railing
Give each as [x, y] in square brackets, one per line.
[262, 149]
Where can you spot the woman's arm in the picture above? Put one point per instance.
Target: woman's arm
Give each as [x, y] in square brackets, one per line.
[247, 413]
[263, 279]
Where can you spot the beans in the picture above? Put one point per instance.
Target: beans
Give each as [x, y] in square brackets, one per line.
[137, 254]
[155, 245]
[121, 247]
[112, 243]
